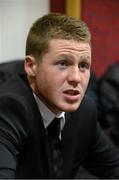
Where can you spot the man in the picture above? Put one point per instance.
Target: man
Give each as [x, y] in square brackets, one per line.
[57, 66]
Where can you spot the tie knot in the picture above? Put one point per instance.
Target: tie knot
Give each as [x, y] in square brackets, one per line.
[54, 127]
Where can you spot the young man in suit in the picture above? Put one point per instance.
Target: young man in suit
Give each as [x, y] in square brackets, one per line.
[57, 71]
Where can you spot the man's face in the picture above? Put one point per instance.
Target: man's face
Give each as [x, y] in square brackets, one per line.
[62, 77]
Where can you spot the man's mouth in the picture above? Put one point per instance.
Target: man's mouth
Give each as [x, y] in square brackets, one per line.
[72, 92]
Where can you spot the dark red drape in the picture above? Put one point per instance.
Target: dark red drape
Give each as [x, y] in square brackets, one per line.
[57, 6]
[102, 16]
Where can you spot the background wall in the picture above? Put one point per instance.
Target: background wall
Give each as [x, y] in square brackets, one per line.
[16, 17]
[102, 17]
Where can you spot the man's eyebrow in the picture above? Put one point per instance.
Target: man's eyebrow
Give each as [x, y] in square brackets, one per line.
[85, 57]
[64, 55]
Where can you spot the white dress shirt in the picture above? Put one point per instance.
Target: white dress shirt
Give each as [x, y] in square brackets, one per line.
[47, 114]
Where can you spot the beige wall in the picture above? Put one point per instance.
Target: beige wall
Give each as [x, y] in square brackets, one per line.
[16, 16]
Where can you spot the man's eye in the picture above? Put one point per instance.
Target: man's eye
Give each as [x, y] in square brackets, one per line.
[84, 66]
[62, 64]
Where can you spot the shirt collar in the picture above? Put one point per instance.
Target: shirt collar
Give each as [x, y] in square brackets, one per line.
[48, 115]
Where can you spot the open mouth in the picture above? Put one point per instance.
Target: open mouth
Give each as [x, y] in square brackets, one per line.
[72, 92]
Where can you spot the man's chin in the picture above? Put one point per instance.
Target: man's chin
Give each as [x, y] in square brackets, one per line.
[71, 109]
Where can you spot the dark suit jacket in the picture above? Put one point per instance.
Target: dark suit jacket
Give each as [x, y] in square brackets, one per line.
[24, 150]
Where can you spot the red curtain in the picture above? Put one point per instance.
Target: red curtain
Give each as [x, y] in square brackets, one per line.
[57, 6]
[102, 16]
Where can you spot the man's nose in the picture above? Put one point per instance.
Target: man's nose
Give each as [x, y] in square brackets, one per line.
[74, 76]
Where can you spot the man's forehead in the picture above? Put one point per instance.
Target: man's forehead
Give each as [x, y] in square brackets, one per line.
[68, 43]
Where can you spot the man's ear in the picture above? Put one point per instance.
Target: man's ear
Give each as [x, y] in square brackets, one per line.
[30, 65]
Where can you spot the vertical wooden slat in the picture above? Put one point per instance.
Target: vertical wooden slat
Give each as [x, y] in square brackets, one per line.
[73, 8]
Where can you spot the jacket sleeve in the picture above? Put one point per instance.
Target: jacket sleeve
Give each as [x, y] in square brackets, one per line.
[103, 159]
[12, 134]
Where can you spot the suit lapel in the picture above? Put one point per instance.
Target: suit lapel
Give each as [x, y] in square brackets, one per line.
[40, 136]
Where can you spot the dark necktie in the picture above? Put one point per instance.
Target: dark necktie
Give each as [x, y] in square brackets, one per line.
[55, 143]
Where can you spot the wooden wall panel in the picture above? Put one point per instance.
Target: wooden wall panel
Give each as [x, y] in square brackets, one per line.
[73, 8]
